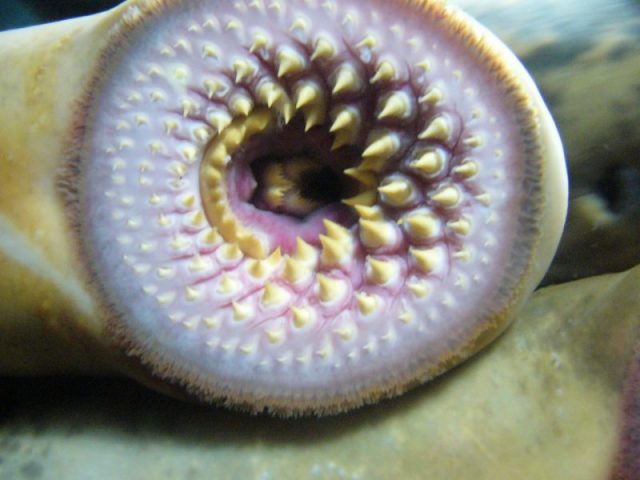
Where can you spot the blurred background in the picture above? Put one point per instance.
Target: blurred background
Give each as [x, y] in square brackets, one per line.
[21, 13]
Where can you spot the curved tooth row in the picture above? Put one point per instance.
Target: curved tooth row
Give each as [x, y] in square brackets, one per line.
[216, 202]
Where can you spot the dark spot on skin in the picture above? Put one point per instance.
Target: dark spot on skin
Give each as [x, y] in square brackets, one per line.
[32, 470]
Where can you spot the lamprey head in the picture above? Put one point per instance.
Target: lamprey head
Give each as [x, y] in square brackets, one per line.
[304, 206]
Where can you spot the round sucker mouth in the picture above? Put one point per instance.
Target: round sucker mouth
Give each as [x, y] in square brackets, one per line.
[305, 206]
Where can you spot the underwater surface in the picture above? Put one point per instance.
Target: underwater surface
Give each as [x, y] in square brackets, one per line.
[557, 396]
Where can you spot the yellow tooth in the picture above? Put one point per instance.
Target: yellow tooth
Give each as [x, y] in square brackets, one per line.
[367, 198]
[179, 242]
[381, 271]
[197, 219]
[188, 107]
[463, 254]
[259, 41]
[406, 317]
[336, 231]
[397, 192]
[247, 349]
[301, 316]
[368, 179]
[376, 234]
[347, 119]
[289, 62]
[241, 105]
[257, 268]
[166, 298]
[273, 260]
[384, 147]
[211, 322]
[422, 226]
[347, 80]
[219, 120]
[467, 169]
[324, 49]
[432, 97]
[218, 155]
[397, 105]
[210, 51]
[299, 24]
[251, 245]
[305, 253]
[424, 65]
[231, 251]
[197, 264]
[329, 288]
[333, 252]
[473, 141]
[274, 295]
[275, 196]
[294, 270]
[257, 122]
[274, 335]
[448, 196]
[276, 5]
[227, 227]
[163, 220]
[315, 115]
[429, 163]
[419, 289]
[345, 333]
[366, 303]
[170, 126]
[192, 294]
[212, 86]
[269, 93]
[461, 226]
[188, 200]
[202, 134]
[240, 311]
[438, 129]
[369, 41]
[306, 94]
[233, 24]
[227, 285]
[243, 69]
[427, 258]
[385, 72]
[211, 237]
[369, 213]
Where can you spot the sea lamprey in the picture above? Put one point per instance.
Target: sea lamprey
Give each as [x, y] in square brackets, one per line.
[304, 206]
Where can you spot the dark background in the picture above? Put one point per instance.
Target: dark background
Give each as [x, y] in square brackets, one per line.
[21, 13]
